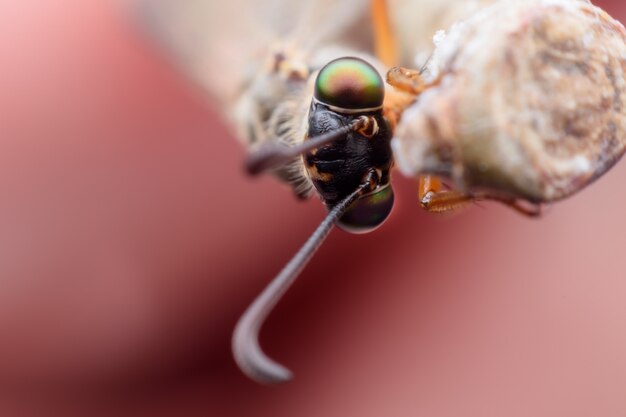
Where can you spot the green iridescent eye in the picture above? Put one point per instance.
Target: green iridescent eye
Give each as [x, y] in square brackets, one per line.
[369, 212]
[351, 84]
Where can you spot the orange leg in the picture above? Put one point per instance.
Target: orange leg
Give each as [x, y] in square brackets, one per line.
[408, 84]
[436, 199]
[407, 80]
[386, 49]
[385, 43]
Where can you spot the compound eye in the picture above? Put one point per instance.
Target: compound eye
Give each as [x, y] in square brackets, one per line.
[368, 212]
[350, 84]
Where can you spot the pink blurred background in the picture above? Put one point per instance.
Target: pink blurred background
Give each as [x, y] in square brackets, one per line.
[131, 242]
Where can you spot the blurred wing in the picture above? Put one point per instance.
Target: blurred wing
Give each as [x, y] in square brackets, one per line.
[221, 44]
[417, 21]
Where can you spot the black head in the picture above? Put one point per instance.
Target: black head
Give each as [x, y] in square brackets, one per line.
[347, 89]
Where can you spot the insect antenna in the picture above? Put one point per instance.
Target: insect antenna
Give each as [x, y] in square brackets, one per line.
[245, 343]
[272, 155]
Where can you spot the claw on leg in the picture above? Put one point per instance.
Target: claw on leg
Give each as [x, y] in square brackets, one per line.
[407, 80]
[434, 198]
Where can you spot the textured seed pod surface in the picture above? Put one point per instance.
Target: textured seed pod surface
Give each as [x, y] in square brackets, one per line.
[530, 102]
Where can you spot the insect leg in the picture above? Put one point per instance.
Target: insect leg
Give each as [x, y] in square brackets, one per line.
[435, 199]
[407, 80]
[385, 43]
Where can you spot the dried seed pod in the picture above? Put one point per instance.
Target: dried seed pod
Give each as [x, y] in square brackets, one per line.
[530, 101]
